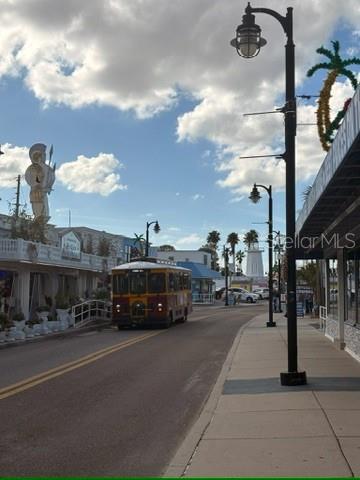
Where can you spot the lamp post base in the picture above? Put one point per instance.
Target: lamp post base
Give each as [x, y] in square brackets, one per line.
[271, 324]
[292, 379]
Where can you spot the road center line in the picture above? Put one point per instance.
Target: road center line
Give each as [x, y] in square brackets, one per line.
[30, 382]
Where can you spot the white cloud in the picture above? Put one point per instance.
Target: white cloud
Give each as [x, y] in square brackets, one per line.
[14, 162]
[198, 196]
[92, 175]
[138, 55]
[237, 199]
[193, 240]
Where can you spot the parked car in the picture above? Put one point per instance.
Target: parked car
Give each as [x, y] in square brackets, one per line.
[242, 295]
[261, 292]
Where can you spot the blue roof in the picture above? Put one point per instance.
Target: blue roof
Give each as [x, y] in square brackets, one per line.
[198, 270]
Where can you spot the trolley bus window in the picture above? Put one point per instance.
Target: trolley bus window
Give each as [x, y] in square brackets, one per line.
[138, 282]
[156, 282]
[121, 284]
[171, 282]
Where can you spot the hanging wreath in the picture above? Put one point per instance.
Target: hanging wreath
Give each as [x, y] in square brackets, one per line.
[337, 66]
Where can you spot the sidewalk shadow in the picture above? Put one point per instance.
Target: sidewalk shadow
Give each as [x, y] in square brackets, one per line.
[272, 385]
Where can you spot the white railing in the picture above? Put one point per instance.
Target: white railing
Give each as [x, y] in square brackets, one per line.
[35, 252]
[208, 298]
[90, 310]
[322, 317]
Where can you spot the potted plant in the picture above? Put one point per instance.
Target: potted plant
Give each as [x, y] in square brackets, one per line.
[18, 317]
[19, 320]
[4, 323]
[43, 312]
[62, 311]
[42, 309]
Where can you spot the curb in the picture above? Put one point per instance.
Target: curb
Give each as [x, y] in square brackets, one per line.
[64, 333]
[184, 454]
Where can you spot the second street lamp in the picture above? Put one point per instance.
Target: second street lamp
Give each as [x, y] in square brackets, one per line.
[156, 230]
[255, 197]
[248, 43]
[226, 271]
[278, 251]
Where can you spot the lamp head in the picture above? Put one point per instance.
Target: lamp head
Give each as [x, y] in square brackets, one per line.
[157, 227]
[248, 40]
[255, 194]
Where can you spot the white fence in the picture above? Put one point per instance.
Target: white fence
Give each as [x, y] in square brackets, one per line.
[203, 298]
[322, 317]
[90, 310]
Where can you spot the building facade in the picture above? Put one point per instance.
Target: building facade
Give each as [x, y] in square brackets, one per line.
[195, 256]
[328, 230]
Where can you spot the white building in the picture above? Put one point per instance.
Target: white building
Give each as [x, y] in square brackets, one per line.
[254, 262]
[194, 256]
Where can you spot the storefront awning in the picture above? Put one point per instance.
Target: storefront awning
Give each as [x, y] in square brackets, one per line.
[332, 209]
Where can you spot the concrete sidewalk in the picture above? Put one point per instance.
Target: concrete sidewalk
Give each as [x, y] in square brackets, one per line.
[252, 426]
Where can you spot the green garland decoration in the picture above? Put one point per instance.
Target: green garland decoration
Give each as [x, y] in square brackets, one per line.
[336, 66]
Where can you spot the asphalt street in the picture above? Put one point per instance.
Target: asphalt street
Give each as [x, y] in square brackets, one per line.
[109, 403]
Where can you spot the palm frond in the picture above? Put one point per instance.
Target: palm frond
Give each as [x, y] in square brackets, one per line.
[312, 70]
[326, 52]
[347, 73]
[305, 194]
[336, 46]
[351, 61]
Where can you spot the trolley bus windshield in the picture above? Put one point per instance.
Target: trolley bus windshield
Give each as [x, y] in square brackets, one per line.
[137, 283]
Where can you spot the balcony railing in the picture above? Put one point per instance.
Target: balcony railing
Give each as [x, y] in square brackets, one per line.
[38, 253]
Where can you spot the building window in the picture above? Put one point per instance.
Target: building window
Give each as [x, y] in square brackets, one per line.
[352, 291]
[205, 259]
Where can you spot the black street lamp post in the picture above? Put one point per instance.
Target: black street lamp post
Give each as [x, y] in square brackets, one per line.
[255, 197]
[156, 230]
[226, 262]
[278, 250]
[248, 42]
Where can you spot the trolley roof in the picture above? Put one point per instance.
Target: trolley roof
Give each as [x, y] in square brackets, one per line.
[141, 265]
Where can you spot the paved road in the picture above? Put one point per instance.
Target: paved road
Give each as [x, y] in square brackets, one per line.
[110, 403]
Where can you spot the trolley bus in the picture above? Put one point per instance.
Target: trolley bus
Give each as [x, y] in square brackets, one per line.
[145, 293]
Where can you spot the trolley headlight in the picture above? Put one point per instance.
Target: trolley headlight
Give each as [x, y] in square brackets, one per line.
[118, 308]
[160, 305]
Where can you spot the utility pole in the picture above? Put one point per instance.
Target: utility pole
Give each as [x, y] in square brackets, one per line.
[17, 202]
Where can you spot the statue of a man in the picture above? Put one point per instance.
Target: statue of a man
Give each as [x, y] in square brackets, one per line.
[41, 177]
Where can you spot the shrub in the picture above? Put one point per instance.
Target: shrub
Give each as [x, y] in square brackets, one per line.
[4, 321]
[18, 317]
[42, 308]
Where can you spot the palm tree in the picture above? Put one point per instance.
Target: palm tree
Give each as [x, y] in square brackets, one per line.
[213, 240]
[336, 66]
[240, 255]
[310, 274]
[140, 240]
[233, 240]
[251, 237]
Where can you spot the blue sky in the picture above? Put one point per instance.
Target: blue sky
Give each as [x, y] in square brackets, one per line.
[165, 119]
